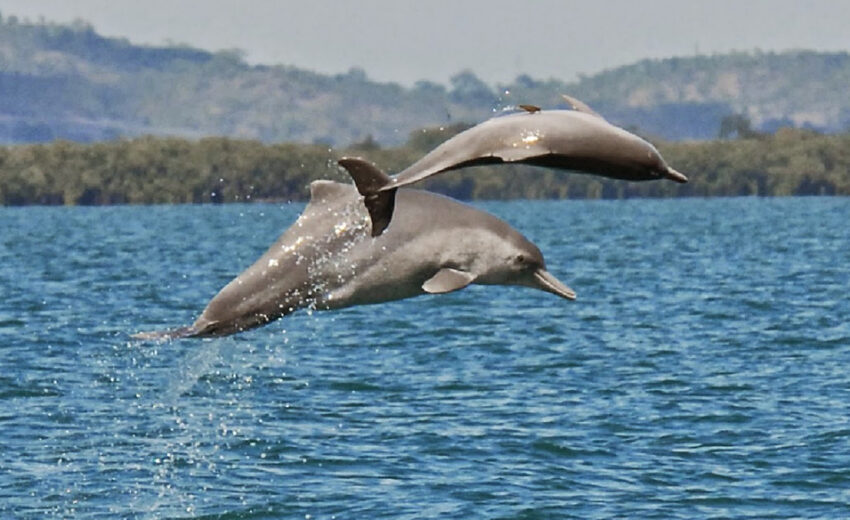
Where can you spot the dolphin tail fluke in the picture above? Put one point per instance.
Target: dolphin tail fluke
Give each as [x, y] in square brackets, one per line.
[373, 184]
[367, 177]
[165, 335]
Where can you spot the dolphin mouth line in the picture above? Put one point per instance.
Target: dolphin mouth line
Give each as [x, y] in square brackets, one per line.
[549, 283]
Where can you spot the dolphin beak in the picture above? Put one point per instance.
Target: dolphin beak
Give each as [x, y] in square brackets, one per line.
[673, 175]
[544, 281]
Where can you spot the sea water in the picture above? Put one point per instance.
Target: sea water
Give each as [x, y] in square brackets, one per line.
[703, 372]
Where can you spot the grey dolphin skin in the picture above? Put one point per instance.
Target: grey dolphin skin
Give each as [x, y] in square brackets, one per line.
[578, 140]
[327, 260]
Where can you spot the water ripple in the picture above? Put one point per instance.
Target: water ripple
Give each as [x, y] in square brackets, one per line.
[701, 374]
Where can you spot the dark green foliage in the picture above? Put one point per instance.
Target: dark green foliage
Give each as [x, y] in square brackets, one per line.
[159, 170]
[172, 170]
[736, 125]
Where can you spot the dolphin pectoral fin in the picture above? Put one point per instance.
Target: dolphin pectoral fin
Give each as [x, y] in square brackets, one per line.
[519, 153]
[579, 106]
[447, 280]
[370, 181]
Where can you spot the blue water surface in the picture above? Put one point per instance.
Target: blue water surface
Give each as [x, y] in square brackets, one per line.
[704, 372]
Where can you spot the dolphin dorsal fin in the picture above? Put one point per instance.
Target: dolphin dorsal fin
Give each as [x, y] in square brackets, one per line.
[580, 106]
[326, 191]
[372, 183]
[529, 108]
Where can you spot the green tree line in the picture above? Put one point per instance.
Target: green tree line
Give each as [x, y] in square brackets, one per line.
[151, 170]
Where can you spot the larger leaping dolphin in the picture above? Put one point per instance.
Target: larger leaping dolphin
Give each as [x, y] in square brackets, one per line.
[578, 140]
[327, 260]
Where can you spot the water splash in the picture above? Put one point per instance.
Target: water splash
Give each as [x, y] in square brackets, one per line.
[191, 368]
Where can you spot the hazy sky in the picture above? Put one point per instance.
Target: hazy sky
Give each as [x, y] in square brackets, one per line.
[405, 40]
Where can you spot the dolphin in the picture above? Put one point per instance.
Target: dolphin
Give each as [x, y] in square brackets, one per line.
[578, 140]
[328, 260]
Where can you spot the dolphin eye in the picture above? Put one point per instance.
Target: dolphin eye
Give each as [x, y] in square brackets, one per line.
[520, 258]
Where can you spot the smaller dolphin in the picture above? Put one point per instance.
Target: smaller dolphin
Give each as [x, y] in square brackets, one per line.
[578, 140]
[327, 260]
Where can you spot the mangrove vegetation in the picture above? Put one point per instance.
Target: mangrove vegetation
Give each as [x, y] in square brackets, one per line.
[150, 170]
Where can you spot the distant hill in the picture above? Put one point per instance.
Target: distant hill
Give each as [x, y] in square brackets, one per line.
[687, 97]
[68, 82]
